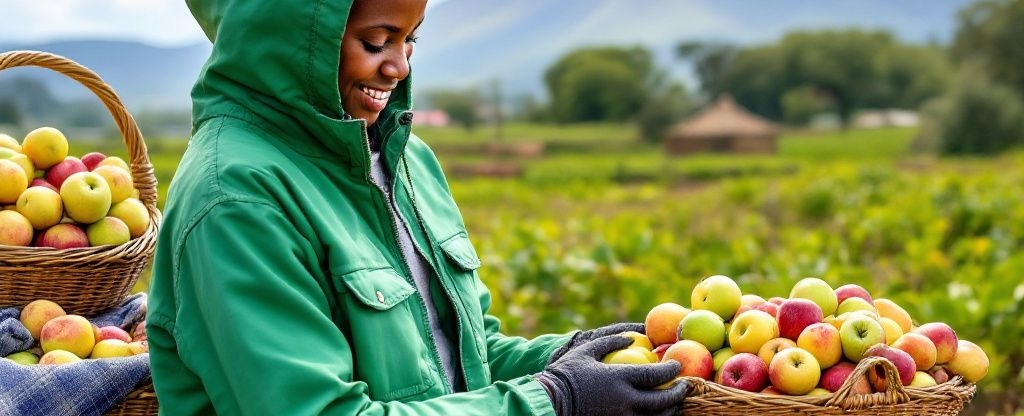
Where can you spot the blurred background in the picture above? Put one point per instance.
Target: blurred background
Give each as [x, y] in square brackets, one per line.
[608, 154]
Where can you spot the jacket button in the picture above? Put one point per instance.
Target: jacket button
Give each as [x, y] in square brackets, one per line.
[405, 118]
[380, 297]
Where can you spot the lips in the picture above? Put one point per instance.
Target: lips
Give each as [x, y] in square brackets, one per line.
[378, 95]
[375, 100]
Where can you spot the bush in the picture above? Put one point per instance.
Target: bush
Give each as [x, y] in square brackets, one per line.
[978, 117]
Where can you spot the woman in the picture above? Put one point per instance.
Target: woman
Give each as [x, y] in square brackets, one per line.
[311, 259]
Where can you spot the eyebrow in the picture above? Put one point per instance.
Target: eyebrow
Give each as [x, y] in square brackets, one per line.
[394, 29]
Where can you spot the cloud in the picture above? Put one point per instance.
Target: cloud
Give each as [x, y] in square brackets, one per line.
[158, 22]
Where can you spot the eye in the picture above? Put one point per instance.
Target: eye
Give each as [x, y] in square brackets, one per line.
[412, 39]
[372, 48]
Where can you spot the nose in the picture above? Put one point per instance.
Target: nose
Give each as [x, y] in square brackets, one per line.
[396, 67]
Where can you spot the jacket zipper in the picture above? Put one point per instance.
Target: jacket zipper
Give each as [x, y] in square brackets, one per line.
[405, 261]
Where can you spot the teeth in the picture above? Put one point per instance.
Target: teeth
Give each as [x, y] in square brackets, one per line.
[376, 94]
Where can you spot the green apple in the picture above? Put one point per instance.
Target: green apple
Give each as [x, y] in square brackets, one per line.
[12, 181]
[720, 356]
[86, 197]
[24, 357]
[855, 304]
[45, 146]
[794, 371]
[858, 334]
[41, 206]
[119, 180]
[718, 294]
[817, 291]
[108, 231]
[751, 330]
[15, 229]
[705, 327]
[134, 213]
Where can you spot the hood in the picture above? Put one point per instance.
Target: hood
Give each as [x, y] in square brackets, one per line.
[276, 63]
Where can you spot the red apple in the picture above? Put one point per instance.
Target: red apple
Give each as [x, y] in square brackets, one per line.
[920, 348]
[71, 165]
[694, 357]
[852, 291]
[659, 350]
[112, 332]
[822, 340]
[92, 159]
[746, 372]
[62, 236]
[42, 182]
[939, 374]
[795, 315]
[904, 365]
[833, 378]
[944, 338]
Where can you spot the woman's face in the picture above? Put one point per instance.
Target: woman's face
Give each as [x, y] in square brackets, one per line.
[375, 53]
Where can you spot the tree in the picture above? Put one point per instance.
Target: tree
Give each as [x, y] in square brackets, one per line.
[710, 61]
[990, 32]
[977, 117]
[601, 83]
[461, 105]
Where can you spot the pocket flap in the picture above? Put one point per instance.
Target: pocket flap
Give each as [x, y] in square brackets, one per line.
[461, 251]
[378, 288]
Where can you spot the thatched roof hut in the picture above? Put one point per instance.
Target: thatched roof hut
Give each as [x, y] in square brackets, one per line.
[723, 127]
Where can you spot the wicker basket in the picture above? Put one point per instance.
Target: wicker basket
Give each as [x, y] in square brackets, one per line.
[949, 398]
[140, 402]
[83, 281]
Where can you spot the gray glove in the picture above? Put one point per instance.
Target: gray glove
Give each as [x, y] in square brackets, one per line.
[583, 337]
[580, 384]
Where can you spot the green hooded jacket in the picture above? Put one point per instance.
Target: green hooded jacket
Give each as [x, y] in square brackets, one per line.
[278, 286]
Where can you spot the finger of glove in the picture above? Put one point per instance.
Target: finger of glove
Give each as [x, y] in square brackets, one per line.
[659, 401]
[600, 347]
[619, 328]
[650, 375]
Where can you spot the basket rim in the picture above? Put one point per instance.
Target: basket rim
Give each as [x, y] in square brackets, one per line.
[143, 174]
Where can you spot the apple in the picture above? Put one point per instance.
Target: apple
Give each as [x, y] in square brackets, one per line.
[889, 309]
[823, 342]
[62, 236]
[777, 300]
[751, 300]
[923, 379]
[623, 356]
[771, 391]
[134, 213]
[920, 348]
[119, 180]
[15, 229]
[108, 231]
[718, 294]
[893, 331]
[746, 372]
[37, 313]
[113, 348]
[847, 291]
[818, 391]
[639, 340]
[854, 304]
[46, 146]
[23, 357]
[694, 357]
[9, 143]
[86, 197]
[140, 347]
[41, 206]
[56, 357]
[112, 332]
[772, 347]
[797, 314]
[651, 356]
[705, 327]
[752, 329]
[661, 324]
[970, 361]
[940, 374]
[834, 377]
[13, 181]
[43, 183]
[114, 161]
[71, 333]
[721, 356]
[903, 362]
[658, 351]
[858, 334]
[944, 338]
[817, 291]
[58, 173]
[794, 371]
[20, 160]
[92, 159]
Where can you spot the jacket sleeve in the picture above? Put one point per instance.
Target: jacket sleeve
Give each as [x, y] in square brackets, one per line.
[513, 356]
[254, 325]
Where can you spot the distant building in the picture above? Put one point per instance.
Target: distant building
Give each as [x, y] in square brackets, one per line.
[873, 119]
[431, 118]
[723, 127]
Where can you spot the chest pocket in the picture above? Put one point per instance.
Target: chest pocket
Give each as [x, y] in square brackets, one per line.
[389, 352]
[462, 262]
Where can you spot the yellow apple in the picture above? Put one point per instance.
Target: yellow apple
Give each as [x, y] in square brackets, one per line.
[639, 340]
[661, 324]
[134, 214]
[108, 231]
[45, 146]
[889, 309]
[56, 357]
[893, 331]
[42, 207]
[37, 313]
[970, 361]
[119, 181]
[823, 342]
[15, 229]
[114, 161]
[922, 379]
[751, 330]
[110, 348]
[70, 333]
[20, 159]
[772, 347]
[794, 371]
[9, 143]
[13, 181]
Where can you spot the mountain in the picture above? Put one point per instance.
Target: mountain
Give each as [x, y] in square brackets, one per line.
[472, 42]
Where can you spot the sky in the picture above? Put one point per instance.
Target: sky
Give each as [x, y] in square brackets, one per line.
[165, 23]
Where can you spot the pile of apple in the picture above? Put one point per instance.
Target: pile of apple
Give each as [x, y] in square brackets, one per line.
[50, 199]
[62, 338]
[808, 344]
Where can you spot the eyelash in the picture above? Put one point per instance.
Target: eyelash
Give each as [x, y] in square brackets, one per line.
[375, 49]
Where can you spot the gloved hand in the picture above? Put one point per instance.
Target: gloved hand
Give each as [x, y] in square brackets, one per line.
[580, 384]
[583, 337]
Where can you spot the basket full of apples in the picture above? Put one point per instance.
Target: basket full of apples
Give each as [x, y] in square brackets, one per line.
[820, 351]
[75, 229]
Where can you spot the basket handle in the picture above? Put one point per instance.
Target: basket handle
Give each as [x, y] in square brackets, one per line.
[142, 170]
[894, 391]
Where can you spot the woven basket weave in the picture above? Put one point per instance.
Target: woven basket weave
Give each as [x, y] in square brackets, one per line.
[86, 280]
[140, 402]
[946, 399]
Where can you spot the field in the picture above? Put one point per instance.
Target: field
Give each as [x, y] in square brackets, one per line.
[601, 228]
